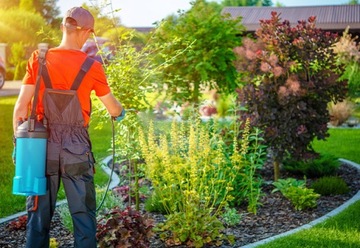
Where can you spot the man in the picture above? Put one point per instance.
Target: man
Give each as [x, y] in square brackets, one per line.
[67, 113]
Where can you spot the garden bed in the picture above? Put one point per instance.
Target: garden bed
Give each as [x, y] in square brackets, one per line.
[276, 215]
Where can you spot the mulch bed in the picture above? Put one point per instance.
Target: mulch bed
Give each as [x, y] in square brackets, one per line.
[275, 215]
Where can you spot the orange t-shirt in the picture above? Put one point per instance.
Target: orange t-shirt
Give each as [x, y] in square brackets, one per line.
[63, 66]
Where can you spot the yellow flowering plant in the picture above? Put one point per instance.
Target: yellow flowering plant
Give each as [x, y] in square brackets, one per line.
[193, 175]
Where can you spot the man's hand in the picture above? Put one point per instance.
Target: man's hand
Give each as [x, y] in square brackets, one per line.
[13, 155]
[121, 116]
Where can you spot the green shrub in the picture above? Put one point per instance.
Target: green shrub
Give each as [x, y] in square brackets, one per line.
[283, 184]
[196, 229]
[110, 201]
[65, 217]
[331, 185]
[231, 217]
[301, 198]
[324, 165]
[154, 204]
[296, 192]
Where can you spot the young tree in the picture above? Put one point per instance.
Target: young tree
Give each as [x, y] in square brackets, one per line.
[291, 76]
[206, 41]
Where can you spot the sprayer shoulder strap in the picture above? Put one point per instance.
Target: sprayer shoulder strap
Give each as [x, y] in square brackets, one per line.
[78, 79]
[42, 61]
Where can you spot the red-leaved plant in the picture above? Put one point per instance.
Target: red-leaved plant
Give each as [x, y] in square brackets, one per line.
[18, 224]
[124, 228]
[291, 75]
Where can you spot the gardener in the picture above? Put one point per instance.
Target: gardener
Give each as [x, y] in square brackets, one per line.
[66, 107]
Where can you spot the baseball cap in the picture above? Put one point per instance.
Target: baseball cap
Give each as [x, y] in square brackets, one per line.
[84, 19]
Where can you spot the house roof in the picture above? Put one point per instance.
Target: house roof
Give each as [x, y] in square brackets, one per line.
[333, 18]
[143, 29]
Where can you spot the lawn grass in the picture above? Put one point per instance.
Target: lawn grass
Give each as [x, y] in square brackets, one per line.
[342, 143]
[340, 231]
[10, 204]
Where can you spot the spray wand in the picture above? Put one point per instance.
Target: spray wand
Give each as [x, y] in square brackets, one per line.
[118, 118]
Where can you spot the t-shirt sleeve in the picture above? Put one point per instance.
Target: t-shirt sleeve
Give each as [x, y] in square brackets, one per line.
[31, 69]
[101, 86]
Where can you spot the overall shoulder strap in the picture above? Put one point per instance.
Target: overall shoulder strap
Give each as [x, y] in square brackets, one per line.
[85, 67]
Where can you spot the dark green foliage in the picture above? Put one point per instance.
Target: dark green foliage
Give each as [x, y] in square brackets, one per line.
[301, 198]
[352, 73]
[124, 228]
[154, 204]
[331, 185]
[296, 192]
[324, 165]
[200, 42]
[283, 185]
[290, 75]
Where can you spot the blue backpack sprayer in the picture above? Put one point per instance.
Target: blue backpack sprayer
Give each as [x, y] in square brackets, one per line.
[30, 155]
[31, 139]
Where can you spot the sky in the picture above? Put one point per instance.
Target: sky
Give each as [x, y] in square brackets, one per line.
[143, 13]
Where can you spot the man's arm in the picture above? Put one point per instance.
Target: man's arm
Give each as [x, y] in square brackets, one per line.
[112, 105]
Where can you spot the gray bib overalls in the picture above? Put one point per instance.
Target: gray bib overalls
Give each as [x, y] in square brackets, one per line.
[69, 159]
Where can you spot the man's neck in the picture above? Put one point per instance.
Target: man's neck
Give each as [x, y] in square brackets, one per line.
[70, 44]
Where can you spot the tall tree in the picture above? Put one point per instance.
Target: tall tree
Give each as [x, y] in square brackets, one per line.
[46, 8]
[208, 61]
[6, 4]
[49, 10]
[20, 25]
[27, 5]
